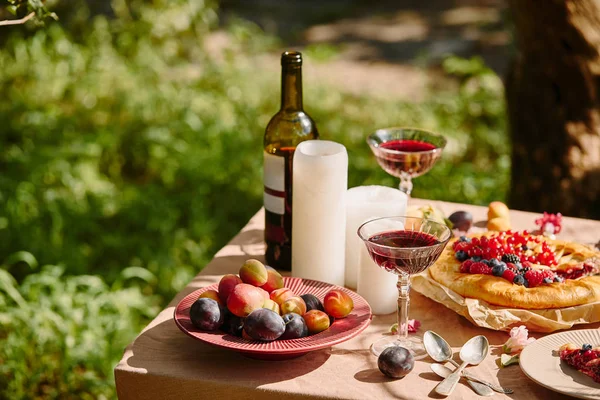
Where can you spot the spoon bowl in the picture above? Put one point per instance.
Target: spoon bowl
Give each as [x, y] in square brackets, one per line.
[437, 347]
[475, 350]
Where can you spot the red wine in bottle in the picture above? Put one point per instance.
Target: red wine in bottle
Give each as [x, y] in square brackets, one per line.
[290, 126]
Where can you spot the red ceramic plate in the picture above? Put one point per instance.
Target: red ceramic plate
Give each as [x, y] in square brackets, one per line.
[340, 331]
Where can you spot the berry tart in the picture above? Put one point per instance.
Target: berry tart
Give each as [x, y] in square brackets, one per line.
[585, 359]
[520, 270]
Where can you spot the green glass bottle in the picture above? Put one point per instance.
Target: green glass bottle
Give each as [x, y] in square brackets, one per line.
[290, 126]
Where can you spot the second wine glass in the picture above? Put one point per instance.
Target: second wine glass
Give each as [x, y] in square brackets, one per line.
[406, 152]
[403, 246]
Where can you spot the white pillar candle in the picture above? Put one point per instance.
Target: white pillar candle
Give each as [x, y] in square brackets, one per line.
[377, 286]
[320, 181]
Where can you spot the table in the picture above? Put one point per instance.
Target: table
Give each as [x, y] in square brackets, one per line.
[163, 363]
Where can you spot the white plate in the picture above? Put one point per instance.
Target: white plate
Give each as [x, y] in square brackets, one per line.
[541, 363]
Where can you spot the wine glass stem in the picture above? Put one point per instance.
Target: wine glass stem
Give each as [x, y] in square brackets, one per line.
[403, 302]
[405, 183]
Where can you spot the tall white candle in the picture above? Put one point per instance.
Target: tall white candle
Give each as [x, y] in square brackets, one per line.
[320, 180]
[377, 286]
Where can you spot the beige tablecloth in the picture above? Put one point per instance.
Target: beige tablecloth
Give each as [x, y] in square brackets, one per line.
[163, 363]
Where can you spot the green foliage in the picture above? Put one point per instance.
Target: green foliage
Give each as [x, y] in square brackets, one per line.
[60, 337]
[124, 143]
[21, 9]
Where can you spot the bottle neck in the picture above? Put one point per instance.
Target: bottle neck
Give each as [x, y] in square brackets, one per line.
[291, 87]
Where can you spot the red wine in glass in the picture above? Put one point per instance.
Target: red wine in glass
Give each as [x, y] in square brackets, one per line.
[408, 262]
[406, 152]
[410, 156]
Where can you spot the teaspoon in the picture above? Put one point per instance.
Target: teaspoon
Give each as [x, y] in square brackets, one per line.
[472, 353]
[440, 351]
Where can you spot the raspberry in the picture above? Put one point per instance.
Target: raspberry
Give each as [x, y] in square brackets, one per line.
[512, 258]
[509, 274]
[512, 266]
[480, 268]
[461, 246]
[465, 267]
[534, 277]
[546, 273]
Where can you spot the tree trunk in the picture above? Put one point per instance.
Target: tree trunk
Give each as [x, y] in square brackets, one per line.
[553, 96]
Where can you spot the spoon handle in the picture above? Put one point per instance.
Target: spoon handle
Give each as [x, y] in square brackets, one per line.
[446, 386]
[493, 386]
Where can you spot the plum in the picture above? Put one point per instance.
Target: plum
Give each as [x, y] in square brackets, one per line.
[226, 285]
[338, 304]
[264, 324]
[233, 324]
[316, 321]
[395, 362]
[254, 273]
[312, 302]
[461, 220]
[295, 326]
[206, 314]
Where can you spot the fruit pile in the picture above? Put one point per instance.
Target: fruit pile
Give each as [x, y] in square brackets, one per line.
[509, 255]
[256, 306]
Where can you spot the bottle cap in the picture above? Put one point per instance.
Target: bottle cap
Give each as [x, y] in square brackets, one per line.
[291, 57]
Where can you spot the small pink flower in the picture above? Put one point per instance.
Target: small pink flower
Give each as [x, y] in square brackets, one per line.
[413, 326]
[517, 341]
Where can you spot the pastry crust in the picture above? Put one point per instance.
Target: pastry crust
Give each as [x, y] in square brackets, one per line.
[498, 291]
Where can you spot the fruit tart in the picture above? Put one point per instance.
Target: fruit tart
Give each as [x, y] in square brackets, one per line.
[520, 270]
[585, 359]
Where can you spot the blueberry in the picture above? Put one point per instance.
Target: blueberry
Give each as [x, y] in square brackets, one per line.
[558, 279]
[519, 280]
[461, 255]
[495, 262]
[498, 270]
[547, 280]
[475, 258]
[525, 282]
[464, 239]
[586, 347]
[486, 262]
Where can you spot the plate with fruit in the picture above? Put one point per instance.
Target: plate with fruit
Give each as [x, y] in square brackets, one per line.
[263, 315]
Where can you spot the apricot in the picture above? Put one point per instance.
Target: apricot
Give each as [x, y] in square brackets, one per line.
[274, 280]
[293, 305]
[211, 294]
[281, 295]
[498, 224]
[254, 273]
[338, 304]
[271, 305]
[316, 321]
[264, 293]
[498, 209]
[226, 285]
[244, 299]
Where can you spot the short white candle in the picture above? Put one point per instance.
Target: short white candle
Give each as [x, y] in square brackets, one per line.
[320, 181]
[377, 286]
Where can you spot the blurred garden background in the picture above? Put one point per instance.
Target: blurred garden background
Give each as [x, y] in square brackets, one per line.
[131, 147]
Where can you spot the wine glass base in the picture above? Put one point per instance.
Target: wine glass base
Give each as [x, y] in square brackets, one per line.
[414, 344]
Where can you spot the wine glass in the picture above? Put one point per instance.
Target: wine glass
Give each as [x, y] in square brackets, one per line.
[406, 152]
[403, 246]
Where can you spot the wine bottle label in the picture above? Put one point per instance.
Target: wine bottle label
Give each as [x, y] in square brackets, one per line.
[274, 181]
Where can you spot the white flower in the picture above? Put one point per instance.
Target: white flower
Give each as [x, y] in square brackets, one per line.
[517, 341]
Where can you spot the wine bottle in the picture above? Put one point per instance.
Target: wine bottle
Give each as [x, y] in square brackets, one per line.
[290, 126]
